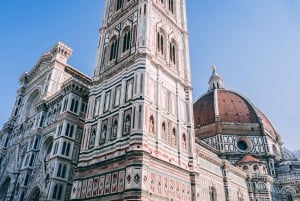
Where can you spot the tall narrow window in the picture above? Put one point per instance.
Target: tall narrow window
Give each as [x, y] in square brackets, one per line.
[171, 6]
[119, 4]
[160, 42]
[163, 131]
[172, 52]
[113, 49]
[213, 194]
[174, 137]
[126, 40]
[134, 32]
[183, 141]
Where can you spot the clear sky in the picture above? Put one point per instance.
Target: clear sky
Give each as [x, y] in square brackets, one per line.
[255, 45]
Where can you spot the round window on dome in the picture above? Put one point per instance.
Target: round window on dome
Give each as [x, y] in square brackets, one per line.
[242, 145]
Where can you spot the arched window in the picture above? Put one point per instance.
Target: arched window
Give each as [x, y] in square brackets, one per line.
[289, 197]
[126, 39]
[119, 4]
[151, 124]
[174, 137]
[171, 6]
[68, 149]
[255, 169]
[183, 141]
[160, 42]
[65, 104]
[104, 54]
[57, 192]
[31, 160]
[55, 148]
[113, 48]
[213, 194]
[72, 104]
[63, 172]
[172, 52]
[63, 150]
[54, 193]
[58, 171]
[163, 130]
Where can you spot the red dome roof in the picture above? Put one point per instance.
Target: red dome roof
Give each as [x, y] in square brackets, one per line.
[227, 106]
[224, 111]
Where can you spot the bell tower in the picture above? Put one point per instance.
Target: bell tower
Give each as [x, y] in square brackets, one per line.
[138, 135]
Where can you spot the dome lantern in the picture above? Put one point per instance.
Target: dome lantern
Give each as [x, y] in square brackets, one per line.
[215, 81]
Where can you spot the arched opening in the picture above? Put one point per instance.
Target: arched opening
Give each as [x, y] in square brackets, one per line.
[213, 194]
[127, 124]
[163, 130]
[31, 102]
[113, 48]
[126, 39]
[289, 197]
[255, 169]
[160, 38]
[184, 141]
[172, 52]
[35, 195]
[151, 124]
[174, 137]
[4, 189]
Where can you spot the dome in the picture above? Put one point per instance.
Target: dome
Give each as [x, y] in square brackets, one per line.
[221, 110]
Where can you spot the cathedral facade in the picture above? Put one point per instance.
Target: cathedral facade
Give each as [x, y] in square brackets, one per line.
[132, 131]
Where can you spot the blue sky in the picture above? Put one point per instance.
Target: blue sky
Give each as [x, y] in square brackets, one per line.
[255, 45]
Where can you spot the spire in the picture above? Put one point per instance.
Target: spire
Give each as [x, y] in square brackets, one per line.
[215, 81]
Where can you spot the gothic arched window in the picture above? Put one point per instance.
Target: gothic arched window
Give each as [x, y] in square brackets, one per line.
[119, 4]
[171, 6]
[160, 40]
[174, 137]
[289, 197]
[126, 39]
[113, 48]
[213, 194]
[172, 52]
[163, 130]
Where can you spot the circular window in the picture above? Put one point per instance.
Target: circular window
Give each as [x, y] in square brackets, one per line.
[242, 145]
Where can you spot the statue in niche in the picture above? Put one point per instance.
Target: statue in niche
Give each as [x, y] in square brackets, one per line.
[127, 124]
[151, 124]
[103, 133]
[115, 129]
